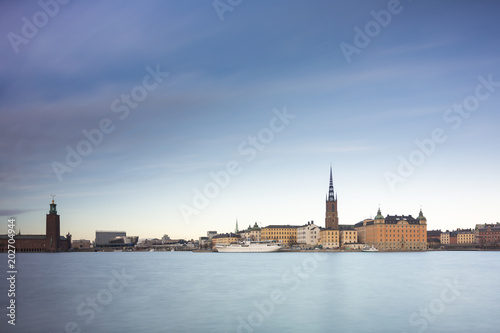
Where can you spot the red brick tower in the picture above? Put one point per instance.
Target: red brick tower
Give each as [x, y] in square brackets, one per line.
[331, 216]
[53, 232]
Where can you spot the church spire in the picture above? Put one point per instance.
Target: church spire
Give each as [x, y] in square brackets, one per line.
[331, 193]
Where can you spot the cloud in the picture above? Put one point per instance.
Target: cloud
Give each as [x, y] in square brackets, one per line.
[14, 212]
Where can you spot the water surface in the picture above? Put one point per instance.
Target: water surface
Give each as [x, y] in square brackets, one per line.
[267, 292]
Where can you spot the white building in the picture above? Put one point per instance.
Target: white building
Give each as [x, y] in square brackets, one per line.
[308, 234]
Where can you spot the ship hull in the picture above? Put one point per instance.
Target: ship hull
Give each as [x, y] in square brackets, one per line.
[249, 249]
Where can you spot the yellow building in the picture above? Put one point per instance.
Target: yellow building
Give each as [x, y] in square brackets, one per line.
[329, 238]
[284, 234]
[466, 237]
[395, 232]
[225, 239]
[348, 237]
[445, 238]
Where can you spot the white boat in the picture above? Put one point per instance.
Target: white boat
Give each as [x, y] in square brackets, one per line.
[249, 247]
[369, 249]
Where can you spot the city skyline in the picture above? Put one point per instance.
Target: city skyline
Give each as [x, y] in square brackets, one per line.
[128, 123]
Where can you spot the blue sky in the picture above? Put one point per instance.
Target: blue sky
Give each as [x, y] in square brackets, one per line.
[268, 90]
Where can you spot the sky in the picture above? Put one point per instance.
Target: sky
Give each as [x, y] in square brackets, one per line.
[179, 117]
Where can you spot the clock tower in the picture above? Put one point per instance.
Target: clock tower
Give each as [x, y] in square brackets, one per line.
[331, 216]
[53, 233]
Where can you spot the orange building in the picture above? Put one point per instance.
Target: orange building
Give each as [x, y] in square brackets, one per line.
[395, 232]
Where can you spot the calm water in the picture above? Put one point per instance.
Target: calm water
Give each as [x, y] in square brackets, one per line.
[274, 292]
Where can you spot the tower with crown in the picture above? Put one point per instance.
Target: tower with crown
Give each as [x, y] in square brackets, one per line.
[331, 216]
[53, 229]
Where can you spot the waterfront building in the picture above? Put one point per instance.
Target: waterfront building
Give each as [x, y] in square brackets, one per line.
[329, 238]
[103, 238]
[434, 239]
[52, 241]
[466, 236]
[362, 231]
[445, 237]
[489, 235]
[347, 235]
[453, 237]
[331, 215]
[434, 235]
[225, 238]
[81, 244]
[395, 232]
[252, 233]
[211, 234]
[308, 234]
[203, 242]
[284, 234]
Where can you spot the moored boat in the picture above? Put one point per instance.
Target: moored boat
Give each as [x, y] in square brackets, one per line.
[369, 249]
[249, 247]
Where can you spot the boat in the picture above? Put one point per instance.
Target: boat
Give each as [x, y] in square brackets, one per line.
[369, 249]
[249, 247]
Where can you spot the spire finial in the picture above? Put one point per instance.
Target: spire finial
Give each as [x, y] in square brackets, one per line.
[331, 192]
[52, 195]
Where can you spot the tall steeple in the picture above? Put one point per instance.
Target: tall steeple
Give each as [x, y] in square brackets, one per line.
[331, 216]
[331, 193]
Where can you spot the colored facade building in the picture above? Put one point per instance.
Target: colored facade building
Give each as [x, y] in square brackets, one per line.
[252, 233]
[434, 234]
[489, 235]
[445, 237]
[434, 239]
[284, 234]
[467, 236]
[362, 231]
[453, 237]
[308, 234]
[395, 232]
[225, 238]
[52, 241]
[348, 236]
[329, 238]
[331, 216]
